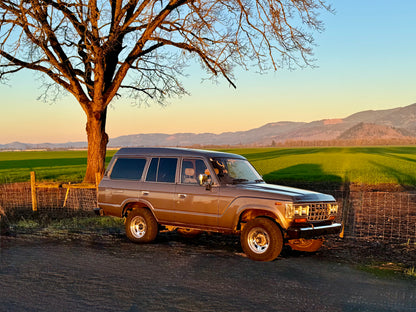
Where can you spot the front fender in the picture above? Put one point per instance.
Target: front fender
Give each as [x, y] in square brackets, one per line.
[232, 214]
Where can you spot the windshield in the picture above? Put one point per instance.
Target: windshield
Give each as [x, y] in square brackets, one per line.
[230, 170]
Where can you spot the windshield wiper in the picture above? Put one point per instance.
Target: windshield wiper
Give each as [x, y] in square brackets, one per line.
[259, 181]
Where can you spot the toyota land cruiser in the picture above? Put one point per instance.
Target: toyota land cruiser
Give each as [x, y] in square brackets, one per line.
[197, 190]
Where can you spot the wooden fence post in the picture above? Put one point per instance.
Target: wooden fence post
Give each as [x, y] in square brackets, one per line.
[33, 188]
[97, 179]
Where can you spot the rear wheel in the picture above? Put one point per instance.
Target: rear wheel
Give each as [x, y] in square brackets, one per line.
[307, 245]
[261, 239]
[141, 226]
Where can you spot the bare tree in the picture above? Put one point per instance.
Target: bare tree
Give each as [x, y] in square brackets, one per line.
[95, 49]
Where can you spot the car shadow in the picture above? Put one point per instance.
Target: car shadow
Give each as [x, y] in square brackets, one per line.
[308, 176]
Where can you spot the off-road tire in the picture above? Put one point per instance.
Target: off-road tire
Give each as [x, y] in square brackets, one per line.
[141, 226]
[261, 239]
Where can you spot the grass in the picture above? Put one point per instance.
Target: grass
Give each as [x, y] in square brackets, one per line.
[87, 223]
[366, 165]
[410, 272]
[66, 166]
[388, 270]
[52, 226]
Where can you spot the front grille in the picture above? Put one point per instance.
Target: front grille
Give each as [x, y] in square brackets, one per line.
[318, 212]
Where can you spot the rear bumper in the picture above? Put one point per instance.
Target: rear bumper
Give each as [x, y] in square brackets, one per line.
[313, 231]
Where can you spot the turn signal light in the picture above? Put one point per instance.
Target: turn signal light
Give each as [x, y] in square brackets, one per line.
[301, 220]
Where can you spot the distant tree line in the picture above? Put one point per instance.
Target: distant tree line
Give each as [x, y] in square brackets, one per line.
[316, 143]
[351, 142]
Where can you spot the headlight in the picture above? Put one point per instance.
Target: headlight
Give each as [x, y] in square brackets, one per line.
[297, 210]
[312, 211]
[332, 209]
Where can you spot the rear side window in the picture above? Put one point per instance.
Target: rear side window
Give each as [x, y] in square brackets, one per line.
[162, 170]
[128, 169]
[152, 172]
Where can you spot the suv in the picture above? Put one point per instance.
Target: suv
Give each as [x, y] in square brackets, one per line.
[196, 190]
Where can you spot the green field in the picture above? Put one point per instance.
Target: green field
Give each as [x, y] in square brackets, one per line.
[367, 165]
[63, 166]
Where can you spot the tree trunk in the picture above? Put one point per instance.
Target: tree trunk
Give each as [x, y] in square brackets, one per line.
[97, 144]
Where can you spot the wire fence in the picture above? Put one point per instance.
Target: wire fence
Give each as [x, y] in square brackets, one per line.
[386, 216]
[16, 200]
[381, 216]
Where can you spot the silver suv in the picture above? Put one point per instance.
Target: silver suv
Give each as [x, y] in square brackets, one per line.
[196, 190]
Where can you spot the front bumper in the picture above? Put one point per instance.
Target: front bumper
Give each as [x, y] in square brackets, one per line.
[313, 231]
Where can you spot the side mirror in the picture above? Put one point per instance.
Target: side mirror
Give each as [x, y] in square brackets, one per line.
[205, 180]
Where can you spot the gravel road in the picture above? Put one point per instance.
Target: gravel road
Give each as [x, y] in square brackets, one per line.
[174, 274]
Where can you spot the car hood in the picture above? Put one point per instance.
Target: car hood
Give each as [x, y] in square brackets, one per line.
[283, 193]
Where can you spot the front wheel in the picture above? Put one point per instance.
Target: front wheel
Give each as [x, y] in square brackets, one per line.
[141, 226]
[261, 239]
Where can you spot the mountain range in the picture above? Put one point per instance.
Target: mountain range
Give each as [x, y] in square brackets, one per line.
[390, 124]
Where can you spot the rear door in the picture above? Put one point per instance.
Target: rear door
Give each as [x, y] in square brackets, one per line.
[159, 187]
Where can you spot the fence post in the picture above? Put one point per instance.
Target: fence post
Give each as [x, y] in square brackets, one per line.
[33, 189]
[97, 179]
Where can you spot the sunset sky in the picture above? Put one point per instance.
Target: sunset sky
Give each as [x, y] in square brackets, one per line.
[366, 60]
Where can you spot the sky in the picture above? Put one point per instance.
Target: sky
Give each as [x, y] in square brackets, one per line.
[365, 60]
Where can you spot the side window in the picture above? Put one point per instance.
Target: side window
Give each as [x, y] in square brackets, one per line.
[128, 169]
[167, 170]
[152, 172]
[191, 169]
[162, 170]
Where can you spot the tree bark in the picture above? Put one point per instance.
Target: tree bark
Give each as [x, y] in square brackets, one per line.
[97, 144]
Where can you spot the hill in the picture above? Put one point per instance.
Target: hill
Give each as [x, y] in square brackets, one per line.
[390, 124]
[373, 131]
[386, 124]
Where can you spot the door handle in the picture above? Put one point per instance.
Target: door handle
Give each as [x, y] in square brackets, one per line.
[118, 191]
[145, 193]
[182, 195]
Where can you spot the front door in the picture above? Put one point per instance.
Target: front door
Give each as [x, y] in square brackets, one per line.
[194, 204]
